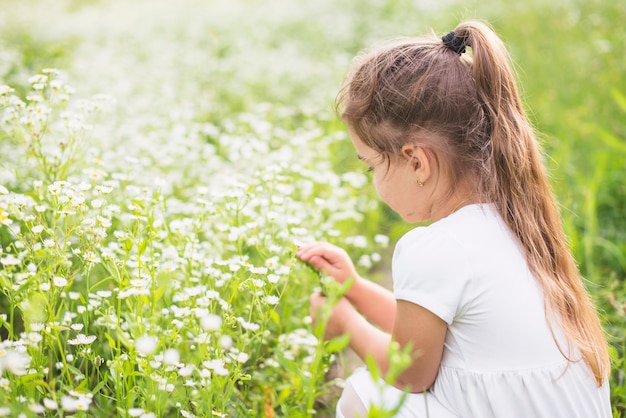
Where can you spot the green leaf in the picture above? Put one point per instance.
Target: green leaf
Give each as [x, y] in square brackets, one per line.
[373, 368]
[338, 343]
[112, 343]
[99, 386]
[275, 317]
[142, 247]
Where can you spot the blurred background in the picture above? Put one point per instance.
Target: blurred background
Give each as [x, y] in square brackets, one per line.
[160, 58]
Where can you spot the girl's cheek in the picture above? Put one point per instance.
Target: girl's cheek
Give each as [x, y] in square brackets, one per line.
[376, 182]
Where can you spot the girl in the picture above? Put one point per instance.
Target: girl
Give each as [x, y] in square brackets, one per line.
[488, 294]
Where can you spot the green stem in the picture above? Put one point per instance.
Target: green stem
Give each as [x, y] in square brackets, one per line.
[63, 359]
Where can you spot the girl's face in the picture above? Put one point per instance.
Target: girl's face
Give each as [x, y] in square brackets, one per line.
[395, 181]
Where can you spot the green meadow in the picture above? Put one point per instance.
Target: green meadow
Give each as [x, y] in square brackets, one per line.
[161, 161]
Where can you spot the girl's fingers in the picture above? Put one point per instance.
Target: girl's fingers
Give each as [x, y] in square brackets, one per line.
[322, 249]
[318, 262]
[316, 298]
[307, 251]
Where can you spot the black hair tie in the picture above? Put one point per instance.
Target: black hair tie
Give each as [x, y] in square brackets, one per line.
[455, 43]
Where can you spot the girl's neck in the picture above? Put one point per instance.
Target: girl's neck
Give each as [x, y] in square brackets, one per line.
[454, 203]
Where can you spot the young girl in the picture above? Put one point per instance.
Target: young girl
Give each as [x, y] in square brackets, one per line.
[488, 294]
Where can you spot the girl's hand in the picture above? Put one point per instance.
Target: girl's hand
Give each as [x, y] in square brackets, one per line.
[340, 316]
[329, 259]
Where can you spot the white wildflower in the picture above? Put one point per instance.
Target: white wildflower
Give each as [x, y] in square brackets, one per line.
[146, 345]
[10, 260]
[36, 408]
[186, 371]
[271, 299]
[82, 403]
[211, 322]
[37, 326]
[258, 270]
[4, 218]
[250, 326]
[226, 341]
[50, 403]
[271, 262]
[217, 366]
[364, 261]
[82, 339]
[16, 362]
[84, 186]
[358, 241]
[68, 403]
[104, 189]
[283, 270]
[59, 281]
[171, 356]
[383, 240]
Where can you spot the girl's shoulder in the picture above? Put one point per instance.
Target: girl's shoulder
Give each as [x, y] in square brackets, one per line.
[468, 223]
[472, 235]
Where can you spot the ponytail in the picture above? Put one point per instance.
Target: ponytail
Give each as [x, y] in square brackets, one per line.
[472, 103]
[519, 186]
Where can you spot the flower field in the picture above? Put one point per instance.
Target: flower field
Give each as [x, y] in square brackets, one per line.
[161, 162]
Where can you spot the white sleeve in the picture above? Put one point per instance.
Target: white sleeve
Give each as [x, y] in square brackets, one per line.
[430, 268]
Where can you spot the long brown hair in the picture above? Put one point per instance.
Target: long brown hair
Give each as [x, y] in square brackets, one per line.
[471, 101]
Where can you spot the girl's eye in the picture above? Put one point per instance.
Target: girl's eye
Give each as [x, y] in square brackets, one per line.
[370, 169]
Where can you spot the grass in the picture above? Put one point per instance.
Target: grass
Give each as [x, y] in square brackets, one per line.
[153, 192]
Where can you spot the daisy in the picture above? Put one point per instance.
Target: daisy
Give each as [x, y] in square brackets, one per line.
[82, 339]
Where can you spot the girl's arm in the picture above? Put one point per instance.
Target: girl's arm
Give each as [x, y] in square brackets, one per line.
[414, 324]
[375, 302]
[427, 333]
[382, 319]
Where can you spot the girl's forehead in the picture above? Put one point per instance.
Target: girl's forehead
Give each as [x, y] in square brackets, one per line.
[359, 145]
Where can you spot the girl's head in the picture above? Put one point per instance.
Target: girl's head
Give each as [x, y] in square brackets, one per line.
[432, 116]
[420, 91]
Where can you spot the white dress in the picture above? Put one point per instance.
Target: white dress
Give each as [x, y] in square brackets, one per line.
[500, 358]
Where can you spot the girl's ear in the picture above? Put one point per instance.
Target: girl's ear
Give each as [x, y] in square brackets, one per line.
[417, 157]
